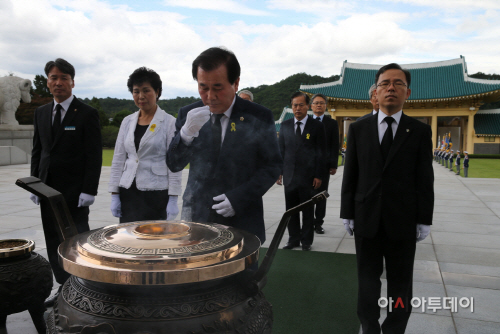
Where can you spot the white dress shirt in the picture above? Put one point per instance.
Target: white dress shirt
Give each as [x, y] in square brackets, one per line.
[65, 106]
[224, 121]
[302, 125]
[382, 125]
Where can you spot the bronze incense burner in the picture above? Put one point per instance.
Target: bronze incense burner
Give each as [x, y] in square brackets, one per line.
[25, 281]
[160, 276]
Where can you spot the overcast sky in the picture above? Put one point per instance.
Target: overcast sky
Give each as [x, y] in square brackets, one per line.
[107, 39]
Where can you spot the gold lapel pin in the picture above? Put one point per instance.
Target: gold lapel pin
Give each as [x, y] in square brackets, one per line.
[75, 109]
[407, 130]
[242, 119]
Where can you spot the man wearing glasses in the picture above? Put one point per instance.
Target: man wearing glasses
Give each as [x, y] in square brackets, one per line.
[387, 200]
[318, 106]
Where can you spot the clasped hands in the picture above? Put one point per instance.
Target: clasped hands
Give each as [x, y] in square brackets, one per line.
[422, 230]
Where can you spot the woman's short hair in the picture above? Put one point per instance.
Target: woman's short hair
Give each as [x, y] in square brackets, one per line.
[142, 75]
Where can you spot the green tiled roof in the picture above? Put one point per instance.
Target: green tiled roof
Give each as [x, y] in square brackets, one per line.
[487, 124]
[438, 80]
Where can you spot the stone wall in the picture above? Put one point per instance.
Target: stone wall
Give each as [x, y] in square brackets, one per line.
[15, 144]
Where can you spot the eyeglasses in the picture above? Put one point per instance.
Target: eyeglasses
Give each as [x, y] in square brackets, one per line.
[386, 85]
[318, 103]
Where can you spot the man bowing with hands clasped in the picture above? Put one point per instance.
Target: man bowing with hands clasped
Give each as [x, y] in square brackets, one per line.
[230, 145]
[387, 200]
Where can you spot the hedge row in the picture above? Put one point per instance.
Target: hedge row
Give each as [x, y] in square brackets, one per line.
[485, 156]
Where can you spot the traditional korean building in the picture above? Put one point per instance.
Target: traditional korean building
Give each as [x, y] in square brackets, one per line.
[442, 95]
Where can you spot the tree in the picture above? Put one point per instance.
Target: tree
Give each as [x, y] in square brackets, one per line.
[41, 88]
[118, 118]
[109, 134]
[103, 118]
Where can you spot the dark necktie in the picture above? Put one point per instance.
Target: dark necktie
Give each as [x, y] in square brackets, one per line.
[217, 134]
[298, 133]
[388, 138]
[57, 121]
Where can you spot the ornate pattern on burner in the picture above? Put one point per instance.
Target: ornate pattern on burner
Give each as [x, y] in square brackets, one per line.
[148, 309]
[98, 240]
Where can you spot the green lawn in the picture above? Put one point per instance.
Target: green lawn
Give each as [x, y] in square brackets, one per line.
[480, 168]
[107, 157]
[483, 168]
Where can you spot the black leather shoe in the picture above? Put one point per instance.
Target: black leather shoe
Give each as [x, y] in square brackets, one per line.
[290, 245]
[319, 230]
[306, 247]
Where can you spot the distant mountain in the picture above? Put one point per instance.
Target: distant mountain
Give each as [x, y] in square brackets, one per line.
[274, 97]
[277, 96]
[112, 106]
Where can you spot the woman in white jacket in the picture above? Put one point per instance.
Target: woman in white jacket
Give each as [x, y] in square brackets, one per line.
[141, 185]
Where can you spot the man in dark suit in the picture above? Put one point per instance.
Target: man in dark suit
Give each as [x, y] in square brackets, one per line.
[67, 155]
[318, 106]
[302, 146]
[387, 199]
[373, 101]
[231, 146]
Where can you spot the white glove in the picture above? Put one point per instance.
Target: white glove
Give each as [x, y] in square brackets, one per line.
[195, 119]
[35, 199]
[348, 225]
[86, 200]
[422, 231]
[224, 208]
[116, 205]
[172, 209]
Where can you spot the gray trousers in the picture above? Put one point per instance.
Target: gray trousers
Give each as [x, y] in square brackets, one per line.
[466, 171]
[458, 169]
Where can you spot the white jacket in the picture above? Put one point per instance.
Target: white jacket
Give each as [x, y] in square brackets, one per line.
[147, 165]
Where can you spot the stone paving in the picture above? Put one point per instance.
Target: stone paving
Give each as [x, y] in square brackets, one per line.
[460, 258]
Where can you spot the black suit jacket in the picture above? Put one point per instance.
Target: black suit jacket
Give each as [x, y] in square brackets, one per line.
[248, 165]
[399, 193]
[71, 163]
[366, 116]
[305, 161]
[332, 142]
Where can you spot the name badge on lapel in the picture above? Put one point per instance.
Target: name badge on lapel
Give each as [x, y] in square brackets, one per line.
[69, 128]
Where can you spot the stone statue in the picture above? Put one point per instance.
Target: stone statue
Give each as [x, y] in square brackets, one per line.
[12, 90]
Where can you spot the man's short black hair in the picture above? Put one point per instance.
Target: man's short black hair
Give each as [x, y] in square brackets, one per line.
[393, 66]
[62, 65]
[297, 94]
[318, 95]
[142, 75]
[211, 59]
